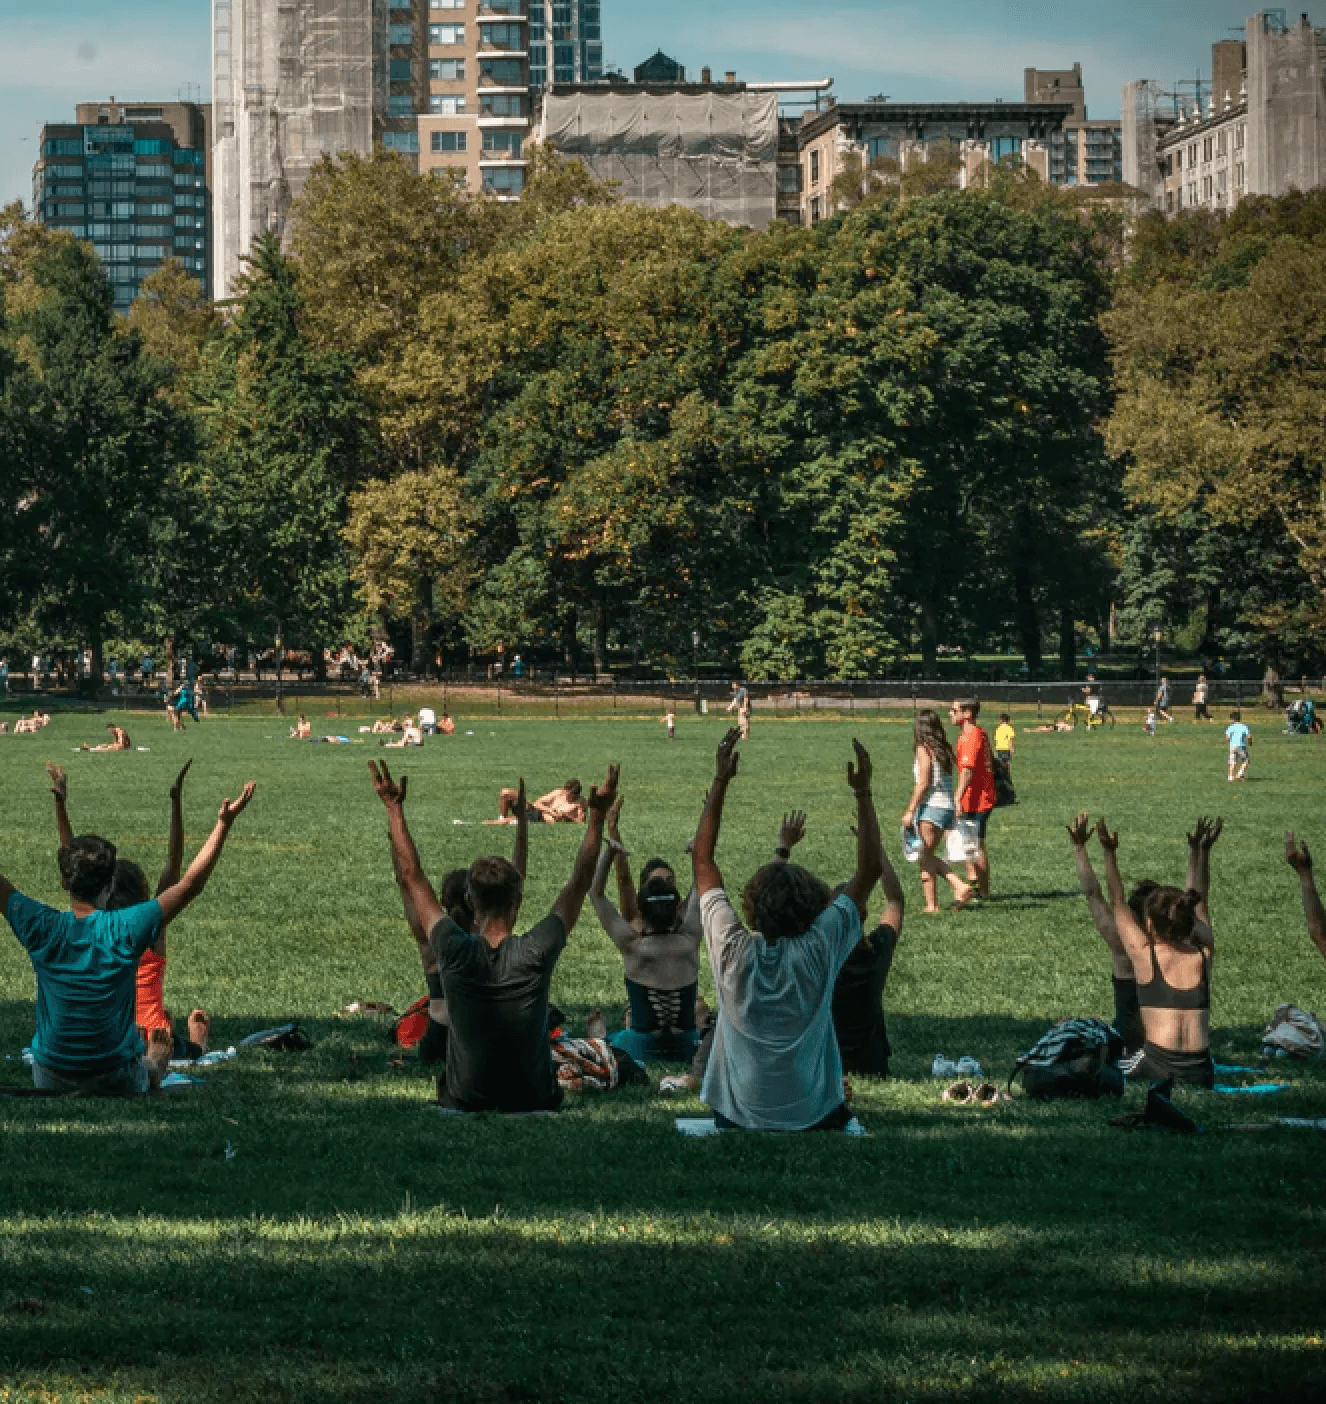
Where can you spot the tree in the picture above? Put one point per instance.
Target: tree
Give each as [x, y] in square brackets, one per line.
[175, 320]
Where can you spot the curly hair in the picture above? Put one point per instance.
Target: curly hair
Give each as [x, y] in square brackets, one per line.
[1170, 913]
[87, 864]
[928, 731]
[782, 900]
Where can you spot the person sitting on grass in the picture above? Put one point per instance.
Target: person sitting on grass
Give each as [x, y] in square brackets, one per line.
[386, 725]
[659, 938]
[564, 805]
[931, 810]
[302, 729]
[1298, 858]
[411, 735]
[1060, 726]
[1174, 946]
[86, 963]
[775, 1064]
[30, 726]
[128, 888]
[495, 984]
[119, 741]
[446, 725]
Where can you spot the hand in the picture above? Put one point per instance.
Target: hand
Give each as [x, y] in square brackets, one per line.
[793, 829]
[177, 789]
[229, 811]
[1213, 832]
[59, 785]
[1297, 855]
[860, 775]
[614, 818]
[1195, 840]
[1080, 830]
[389, 792]
[602, 797]
[908, 819]
[728, 756]
[1108, 841]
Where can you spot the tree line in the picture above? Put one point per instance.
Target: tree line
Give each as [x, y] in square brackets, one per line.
[595, 433]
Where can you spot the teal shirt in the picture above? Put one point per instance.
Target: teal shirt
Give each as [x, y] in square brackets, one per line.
[86, 970]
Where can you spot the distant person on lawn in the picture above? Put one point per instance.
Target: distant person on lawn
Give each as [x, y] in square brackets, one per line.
[564, 805]
[775, 1064]
[1239, 736]
[119, 740]
[86, 963]
[974, 791]
[495, 983]
[931, 809]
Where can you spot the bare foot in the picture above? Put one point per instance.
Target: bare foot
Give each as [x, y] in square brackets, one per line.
[596, 1026]
[199, 1028]
[157, 1056]
[963, 897]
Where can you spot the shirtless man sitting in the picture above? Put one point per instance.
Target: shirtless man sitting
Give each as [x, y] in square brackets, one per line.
[564, 805]
[302, 729]
[29, 726]
[119, 740]
[385, 724]
[411, 736]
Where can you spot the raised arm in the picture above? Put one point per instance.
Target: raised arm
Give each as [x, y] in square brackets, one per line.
[610, 919]
[1298, 858]
[170, 874]
[520, 849]
[60, 792]
[7, 890]
[1131, 936]
[572, 896]
[891, 888]
[1102, 913]
[626, 896]
[703, 867]
[178, 896]
[417, 893]
[790, 833]
[868, 847]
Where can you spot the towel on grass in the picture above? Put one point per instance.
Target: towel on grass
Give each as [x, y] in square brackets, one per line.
[704, 1126]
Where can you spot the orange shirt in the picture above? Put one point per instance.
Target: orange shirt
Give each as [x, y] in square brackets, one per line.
[973, 753]
[150, 1010]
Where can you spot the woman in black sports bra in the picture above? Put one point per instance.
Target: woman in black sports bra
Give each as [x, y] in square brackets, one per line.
[1170, 950]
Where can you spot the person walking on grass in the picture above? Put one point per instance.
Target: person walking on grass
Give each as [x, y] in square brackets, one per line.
[86, 962]
[1239, 736]
[775, 1063]
[1161, 702]
[975, 791]
[1200, 695]
[495, 983]
[741, 704]
[931, 809]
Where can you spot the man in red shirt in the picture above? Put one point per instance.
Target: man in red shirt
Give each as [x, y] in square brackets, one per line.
[974, 793]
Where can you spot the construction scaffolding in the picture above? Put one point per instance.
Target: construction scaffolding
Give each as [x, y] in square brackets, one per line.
[292, 80]
[1147, 111]
[712, 152]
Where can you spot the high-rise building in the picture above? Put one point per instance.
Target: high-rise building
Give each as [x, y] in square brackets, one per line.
[1083, 152]
[577, 41]
[132, 178]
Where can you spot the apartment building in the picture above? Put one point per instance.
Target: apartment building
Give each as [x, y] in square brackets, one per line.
[1084, 152]
[476, 123]
[133, 180]
[577, 42]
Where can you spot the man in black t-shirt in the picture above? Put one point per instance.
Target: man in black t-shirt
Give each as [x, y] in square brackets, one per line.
[496, 984]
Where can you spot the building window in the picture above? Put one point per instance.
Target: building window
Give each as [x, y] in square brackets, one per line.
[447, 70]
[446, 33]
[1238, 177]
[406, 142]
[450, 4]
[446, 104]
[504, 143]
[1222, 143]
[449, 141]
[505, 72]
[400, 106]
[151, 147]
[815, 209]
[500, 36]
[1169, 201]
[502, 105]
[400, 34]
[505, 181]
[64, 146]
[815, 172]
[789, 180]
[1206, 149]
[505, 7]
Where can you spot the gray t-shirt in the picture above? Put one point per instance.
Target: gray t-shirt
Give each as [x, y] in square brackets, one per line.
[775, 1064]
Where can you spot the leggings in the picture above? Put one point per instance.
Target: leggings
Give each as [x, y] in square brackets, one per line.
[1152, 1063]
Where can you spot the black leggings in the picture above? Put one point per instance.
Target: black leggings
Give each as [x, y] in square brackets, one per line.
[1156, 1064]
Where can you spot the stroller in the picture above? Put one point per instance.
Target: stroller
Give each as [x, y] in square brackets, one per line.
[1301, 718]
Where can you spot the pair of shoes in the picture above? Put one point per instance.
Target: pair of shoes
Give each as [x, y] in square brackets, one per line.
[964, 1094]
[964, 1067]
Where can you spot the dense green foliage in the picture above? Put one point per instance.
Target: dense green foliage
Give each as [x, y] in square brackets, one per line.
[357, 1247]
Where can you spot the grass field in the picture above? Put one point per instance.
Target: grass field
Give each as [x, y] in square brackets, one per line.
[303, 1229]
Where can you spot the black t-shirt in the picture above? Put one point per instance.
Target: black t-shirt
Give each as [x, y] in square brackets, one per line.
[497, 1006]
[858, 1004]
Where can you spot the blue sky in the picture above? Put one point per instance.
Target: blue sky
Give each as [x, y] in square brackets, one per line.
[54, 55]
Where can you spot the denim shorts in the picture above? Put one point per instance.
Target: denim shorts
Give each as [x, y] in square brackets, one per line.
[933, 814]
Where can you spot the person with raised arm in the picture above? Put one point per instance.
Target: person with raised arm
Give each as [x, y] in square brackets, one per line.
[86, 964]
[1298, 858]
[1171, 943]
[775, 1064]
[495, 983]
[660, 946]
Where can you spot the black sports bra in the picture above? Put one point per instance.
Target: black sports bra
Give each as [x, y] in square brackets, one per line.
[1158, 993]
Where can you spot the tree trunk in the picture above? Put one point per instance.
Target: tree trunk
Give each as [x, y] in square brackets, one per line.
[1028, 618]
[929, 637]
[601, 635]
[569, 639]
[1067, 644]
[319, 663]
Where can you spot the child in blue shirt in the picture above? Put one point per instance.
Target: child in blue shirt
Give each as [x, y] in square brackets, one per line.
[1239, 735]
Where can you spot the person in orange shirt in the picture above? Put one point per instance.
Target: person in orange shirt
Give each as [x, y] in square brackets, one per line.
[974, 792]
[128, 887]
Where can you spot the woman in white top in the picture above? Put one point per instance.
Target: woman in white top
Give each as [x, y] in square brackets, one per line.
[931, 808]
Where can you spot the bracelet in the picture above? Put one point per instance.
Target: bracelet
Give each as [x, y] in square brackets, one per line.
[782, 852]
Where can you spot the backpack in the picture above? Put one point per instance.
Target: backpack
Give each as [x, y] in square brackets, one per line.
[1077, 1058]
[1005, 794]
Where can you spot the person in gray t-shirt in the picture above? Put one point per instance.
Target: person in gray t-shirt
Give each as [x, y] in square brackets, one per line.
[775, 1064]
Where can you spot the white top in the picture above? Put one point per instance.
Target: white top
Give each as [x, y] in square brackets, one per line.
[427, 716]
[775, 1064]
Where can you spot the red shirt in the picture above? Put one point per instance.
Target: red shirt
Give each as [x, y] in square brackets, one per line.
[973, 753]
[150, 1010]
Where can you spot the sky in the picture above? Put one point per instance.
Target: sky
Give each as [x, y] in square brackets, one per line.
[66, 51]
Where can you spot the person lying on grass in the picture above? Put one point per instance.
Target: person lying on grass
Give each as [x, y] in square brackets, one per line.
[564, 805]
[411, 735]
[386, 724]
[1127, 1012]
[1172, 945]
[86, 964]
[495, 984]
[119, 741]
[775, 1064]
[29, 726]
[659, 937]
[455, 902]
[1298, 858]
[128, 888]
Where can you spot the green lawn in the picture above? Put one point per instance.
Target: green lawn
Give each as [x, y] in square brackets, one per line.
[355, 1246]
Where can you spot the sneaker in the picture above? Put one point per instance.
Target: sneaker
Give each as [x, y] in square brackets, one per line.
[674, 1087]
[988, 1094]
[969, 1067]
[960, 1092]
[943, 1067]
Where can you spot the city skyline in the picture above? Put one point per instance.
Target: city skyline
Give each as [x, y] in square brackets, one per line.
[977, 49]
